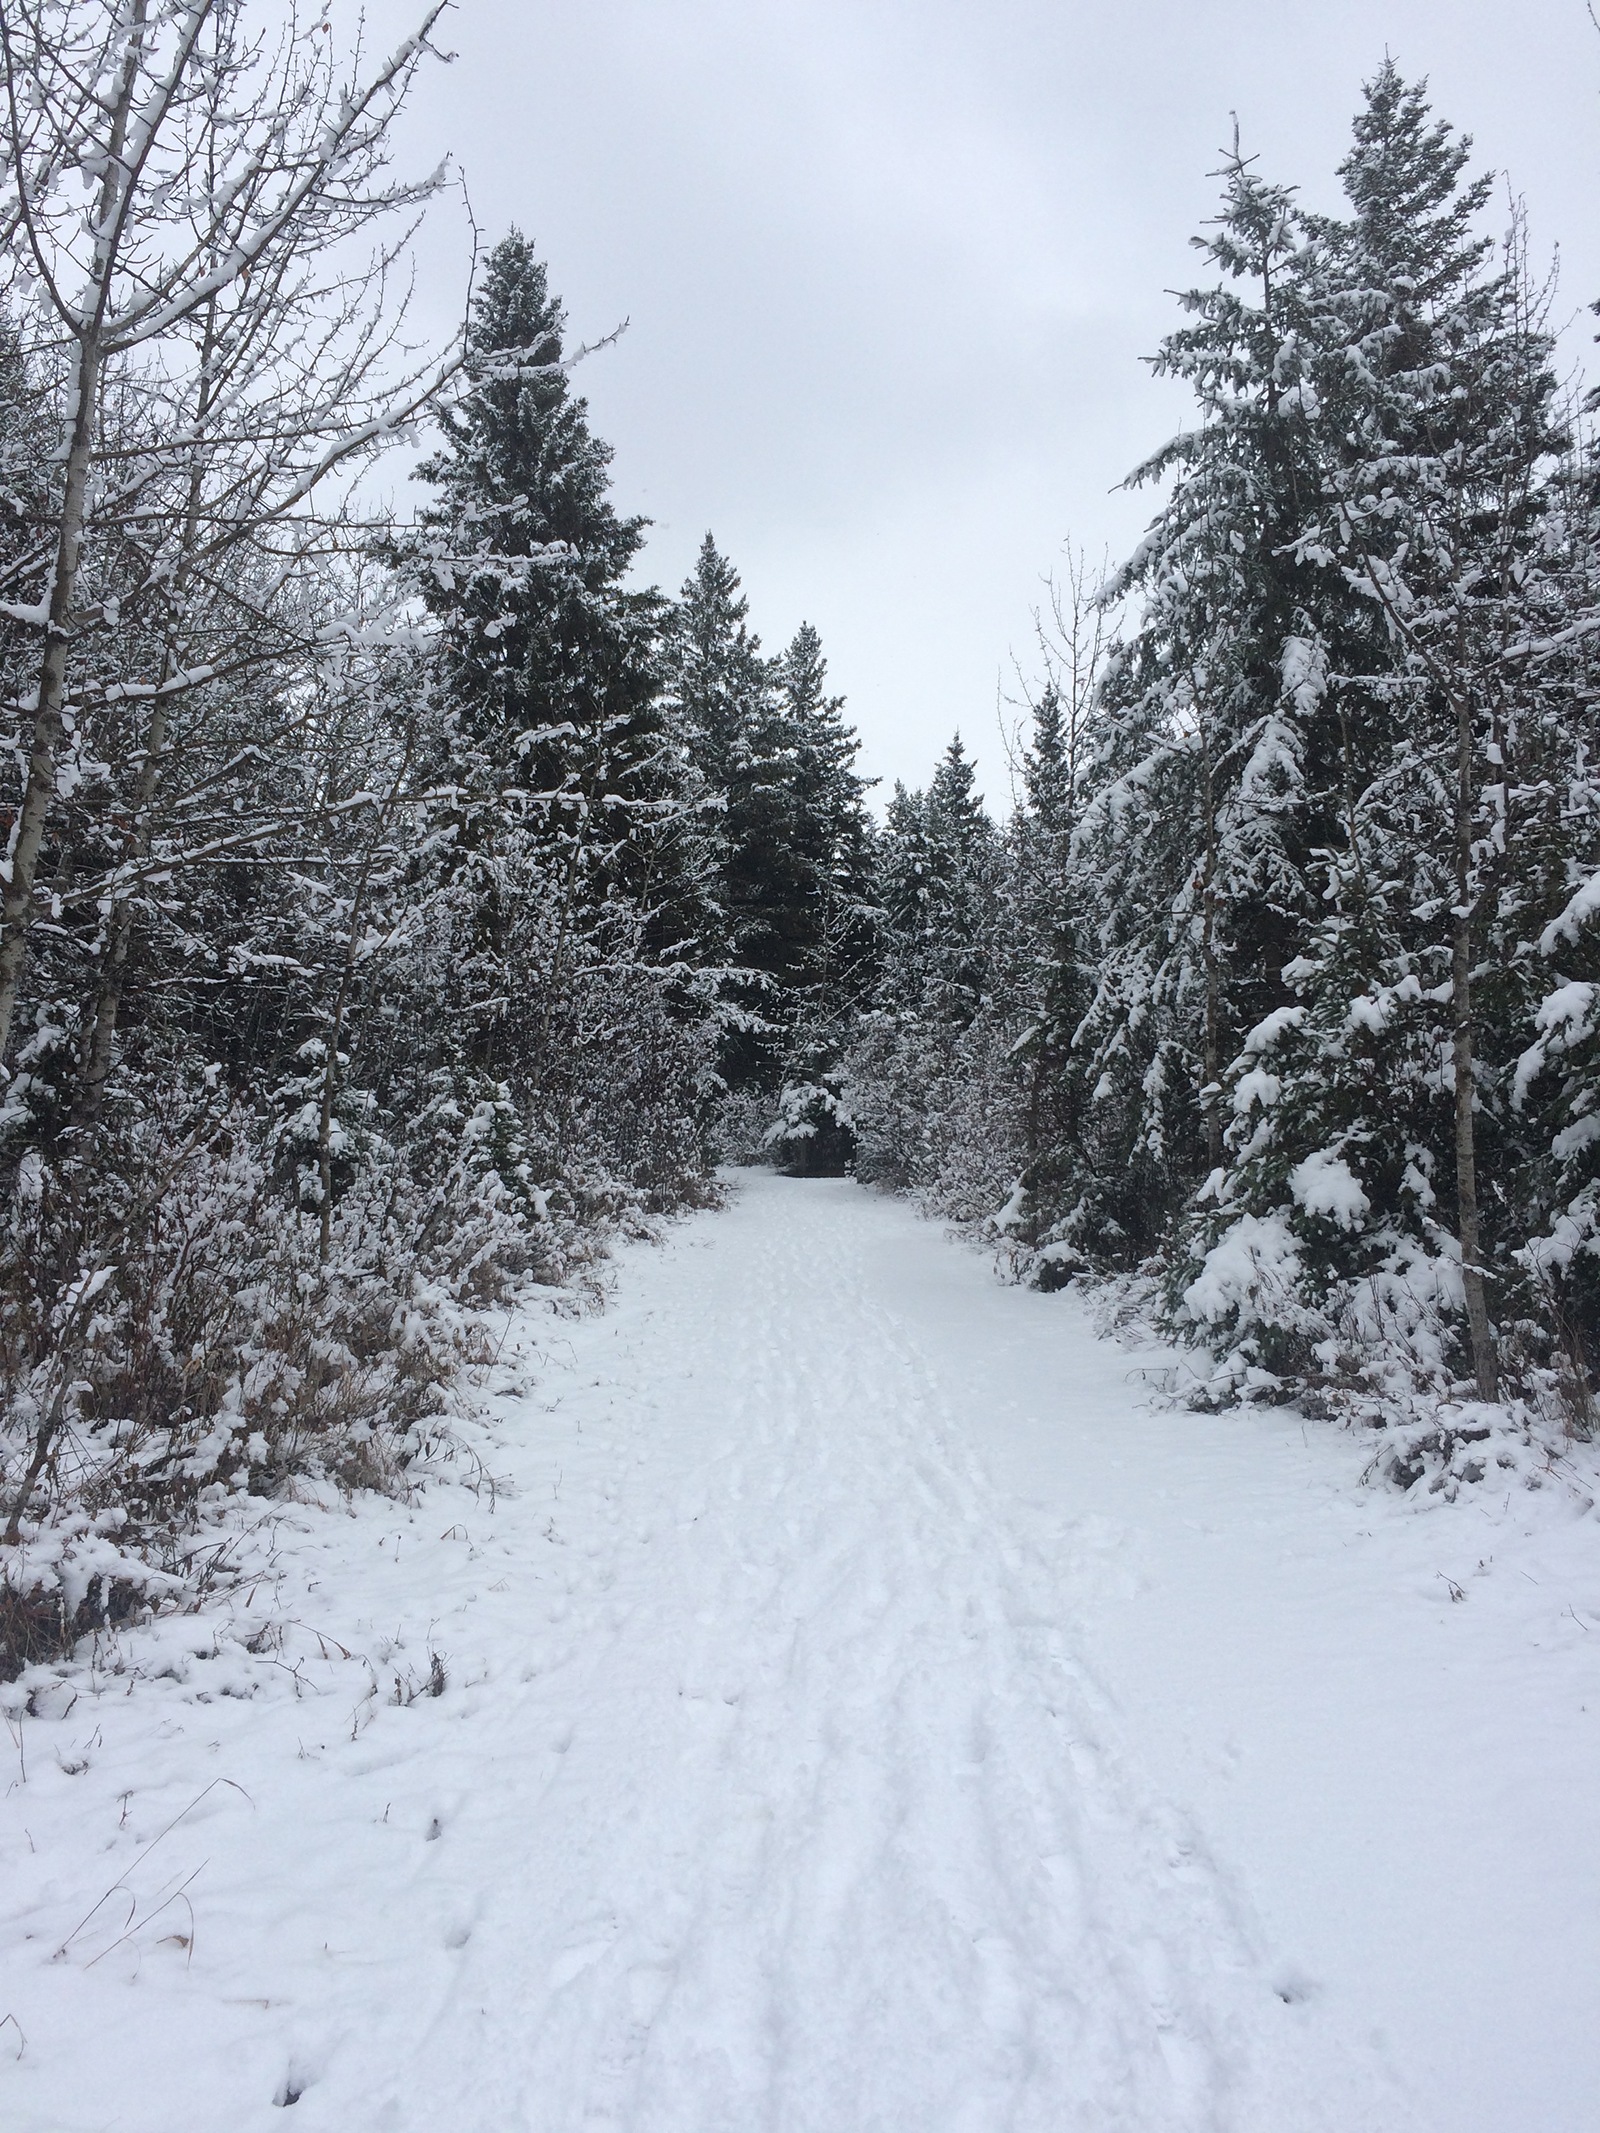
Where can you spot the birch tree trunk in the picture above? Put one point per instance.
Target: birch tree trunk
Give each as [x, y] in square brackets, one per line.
[227, 165]
[16, 908]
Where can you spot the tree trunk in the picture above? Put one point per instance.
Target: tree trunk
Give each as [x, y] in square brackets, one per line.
[1211, 1063]
[330, 1063]
[49, 730]
[99, 1049]
[1484, 1363]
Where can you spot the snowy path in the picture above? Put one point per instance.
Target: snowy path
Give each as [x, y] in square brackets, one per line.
[826, 1748]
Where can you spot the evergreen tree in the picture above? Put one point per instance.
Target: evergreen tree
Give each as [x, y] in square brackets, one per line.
[790, 845]
[932, 1086]
[1378, 1144]
[1202, 806]
[1556, 1084]
[825, 885]
[719, 679]
[940, 867]
[545, 656]
[565, 781]
[1047, 766]
[725, 721]
[565, 845]
[833, 831]
[1052, 919]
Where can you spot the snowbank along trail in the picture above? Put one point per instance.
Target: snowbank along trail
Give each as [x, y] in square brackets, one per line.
[772, 1785]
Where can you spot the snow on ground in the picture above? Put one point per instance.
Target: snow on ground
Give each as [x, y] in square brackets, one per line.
[861, 1710]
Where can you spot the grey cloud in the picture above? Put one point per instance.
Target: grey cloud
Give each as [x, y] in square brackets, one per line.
[890, 269]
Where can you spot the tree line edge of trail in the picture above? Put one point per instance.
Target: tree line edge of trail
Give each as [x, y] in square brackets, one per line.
[397, 904]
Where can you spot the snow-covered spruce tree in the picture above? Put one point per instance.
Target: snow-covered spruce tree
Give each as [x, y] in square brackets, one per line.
[1556, 1089]
[936, 872]
[830, 912]
[545, 655]
[934, 1099]
[1054, 914]
[833, 834]
[947, 942]
[1556, 1086]
[886, 1110]
[785, 854]
[1376, 1195]
[565, 832]
[727, 721]
[1205, 793]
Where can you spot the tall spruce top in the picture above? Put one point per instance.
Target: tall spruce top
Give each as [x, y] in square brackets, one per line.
[518, 453]
[718, 674]
[1047, 768]
[954, 810]
[1404, 179]
[522, 556]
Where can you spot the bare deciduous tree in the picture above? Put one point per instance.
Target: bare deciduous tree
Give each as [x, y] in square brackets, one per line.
[213, 291]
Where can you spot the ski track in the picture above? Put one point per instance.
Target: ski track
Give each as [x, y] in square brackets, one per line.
[772, 1789]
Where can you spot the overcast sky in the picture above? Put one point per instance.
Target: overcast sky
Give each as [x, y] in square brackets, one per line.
[890, 269]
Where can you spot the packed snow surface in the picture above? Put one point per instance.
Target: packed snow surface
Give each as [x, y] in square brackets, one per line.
[862, 1707]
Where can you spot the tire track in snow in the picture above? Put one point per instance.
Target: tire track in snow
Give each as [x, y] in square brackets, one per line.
[843, 1838]
[772, 1792]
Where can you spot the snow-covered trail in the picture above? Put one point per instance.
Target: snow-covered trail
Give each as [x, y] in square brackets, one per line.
[837, 1841]
[794, 1771]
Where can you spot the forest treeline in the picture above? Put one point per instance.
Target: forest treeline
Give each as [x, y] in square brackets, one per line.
[1280, 985]
[398, 900]
[393, 895]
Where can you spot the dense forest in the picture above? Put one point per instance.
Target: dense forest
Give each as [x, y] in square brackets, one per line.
[398, 901]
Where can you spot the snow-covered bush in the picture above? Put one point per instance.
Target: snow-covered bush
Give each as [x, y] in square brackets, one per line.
[813, 1134]
[1278, 995]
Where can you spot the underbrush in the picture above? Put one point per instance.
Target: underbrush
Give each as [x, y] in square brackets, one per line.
[185, 1334]
[1411, 1399]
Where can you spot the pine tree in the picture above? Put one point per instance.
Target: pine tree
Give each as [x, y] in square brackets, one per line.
[545, 655]
[1437, 522]
[932, 1087]
[566, 788]
[564, 848]
[1047, 766]
[1202, 809]
[724, 719]
[938, 871]
[1556, 1084]
[790, 850]
[962, 869]
[1051, 919]
[824, 881]
[833, 831]
[719, 678]
[1373, 1142]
